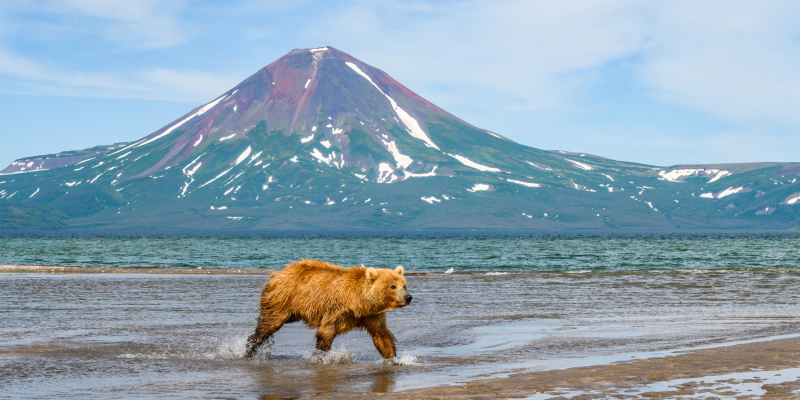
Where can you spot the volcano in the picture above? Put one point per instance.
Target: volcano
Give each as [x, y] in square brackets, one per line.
[321, 140]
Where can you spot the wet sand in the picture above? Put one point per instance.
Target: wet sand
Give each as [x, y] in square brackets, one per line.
[724, 372]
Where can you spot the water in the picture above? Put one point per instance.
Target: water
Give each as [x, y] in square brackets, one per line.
[428, 251]
[517, 302]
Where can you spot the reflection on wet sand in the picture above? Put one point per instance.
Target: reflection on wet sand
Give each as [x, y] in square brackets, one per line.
[278, 383]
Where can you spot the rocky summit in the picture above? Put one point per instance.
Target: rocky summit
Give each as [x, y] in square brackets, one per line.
[321, 140]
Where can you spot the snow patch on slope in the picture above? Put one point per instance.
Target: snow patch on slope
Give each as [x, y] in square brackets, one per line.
[407, 174]
[528, 184]
[494, 134]
[403, 161]
[386, 173]
[244, 155]
[729, 191]
[215, 178]
[479, 187]
[720, 175]
[411, 124]
[580, 164]
[88, 159]
[190, 173]
[222, 139]
[472, 164]
[676, 175]
[538, 166]
[330, 160]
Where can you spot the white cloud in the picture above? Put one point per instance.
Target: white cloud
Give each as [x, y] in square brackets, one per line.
[156, 84]
[736, 60]
[20, 66]
[140, 24]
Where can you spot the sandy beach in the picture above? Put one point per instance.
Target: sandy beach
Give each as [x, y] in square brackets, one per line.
[739, 371]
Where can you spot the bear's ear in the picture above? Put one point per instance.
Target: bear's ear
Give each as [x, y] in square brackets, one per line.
[399, 269]
[372, 274]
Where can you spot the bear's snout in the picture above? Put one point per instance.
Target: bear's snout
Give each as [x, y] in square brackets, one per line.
[408, 298]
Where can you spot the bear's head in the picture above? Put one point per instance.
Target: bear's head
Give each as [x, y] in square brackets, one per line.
[387, 288]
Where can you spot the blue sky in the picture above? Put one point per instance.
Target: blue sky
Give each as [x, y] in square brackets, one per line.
[661, 83]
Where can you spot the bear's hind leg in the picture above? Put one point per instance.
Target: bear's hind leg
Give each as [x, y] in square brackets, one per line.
[325, 336]
[382, 337]
[268, 324]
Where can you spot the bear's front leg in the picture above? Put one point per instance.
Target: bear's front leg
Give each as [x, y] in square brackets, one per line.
[382, 337]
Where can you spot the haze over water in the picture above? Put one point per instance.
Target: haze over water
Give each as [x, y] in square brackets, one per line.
[518, 301]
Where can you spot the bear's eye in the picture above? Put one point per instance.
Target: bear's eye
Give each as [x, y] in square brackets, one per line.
[394, 287]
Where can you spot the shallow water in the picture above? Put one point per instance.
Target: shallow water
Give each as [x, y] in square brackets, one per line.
[170, 336]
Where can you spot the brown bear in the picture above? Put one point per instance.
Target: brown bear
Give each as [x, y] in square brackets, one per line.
[332, 299]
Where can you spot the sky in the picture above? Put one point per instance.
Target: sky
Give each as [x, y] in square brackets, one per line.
[659, 83]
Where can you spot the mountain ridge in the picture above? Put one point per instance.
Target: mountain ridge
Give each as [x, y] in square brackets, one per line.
[315, 121]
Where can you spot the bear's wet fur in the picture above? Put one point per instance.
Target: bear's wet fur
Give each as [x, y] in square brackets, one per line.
[332, 299]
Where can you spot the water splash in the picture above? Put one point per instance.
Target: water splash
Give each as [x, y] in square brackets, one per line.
[230, 347]
[335, 356]
[227, 346]
[404, 360]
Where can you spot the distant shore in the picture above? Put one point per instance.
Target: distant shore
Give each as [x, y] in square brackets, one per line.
[57, 269]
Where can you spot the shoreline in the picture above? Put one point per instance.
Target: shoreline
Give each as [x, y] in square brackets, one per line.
[57, 269]
[763, 369]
